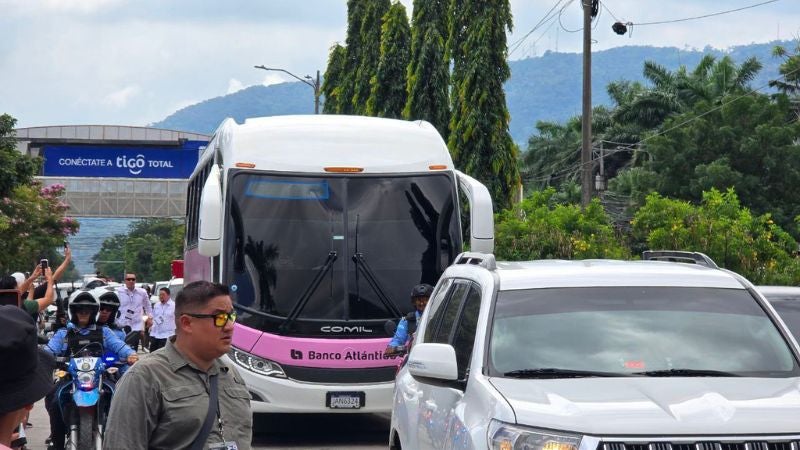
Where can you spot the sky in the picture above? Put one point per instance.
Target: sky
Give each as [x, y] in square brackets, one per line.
[134, 62]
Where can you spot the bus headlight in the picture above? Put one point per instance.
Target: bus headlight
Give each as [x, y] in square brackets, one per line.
[255, 364]
[505, 436]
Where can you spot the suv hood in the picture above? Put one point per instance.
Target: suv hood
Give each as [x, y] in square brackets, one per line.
[656, 406]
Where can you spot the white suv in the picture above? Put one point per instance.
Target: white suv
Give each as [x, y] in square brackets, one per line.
[598, 355]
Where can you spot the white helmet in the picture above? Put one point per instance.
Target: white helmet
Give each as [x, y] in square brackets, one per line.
[20, 277]
[83, 299]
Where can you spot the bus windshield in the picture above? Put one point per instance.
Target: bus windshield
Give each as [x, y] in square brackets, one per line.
[334, 247]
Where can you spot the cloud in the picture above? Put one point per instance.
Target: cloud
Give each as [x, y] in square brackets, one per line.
[273, 78]
[46, 7]
[120, 98]
[234, 85]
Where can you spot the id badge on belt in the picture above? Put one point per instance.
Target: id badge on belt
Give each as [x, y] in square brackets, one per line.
[129, 315]
[227, 445]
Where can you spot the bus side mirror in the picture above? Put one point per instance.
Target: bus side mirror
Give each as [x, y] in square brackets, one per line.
[481, 213]
[210, 226]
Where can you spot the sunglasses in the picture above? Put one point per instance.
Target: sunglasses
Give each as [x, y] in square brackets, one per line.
[130, 279]
[107, 308]
[220, 319]
[83, 310]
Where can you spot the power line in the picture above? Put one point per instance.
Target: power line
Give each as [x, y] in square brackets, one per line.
[705, 15]
[516, 44]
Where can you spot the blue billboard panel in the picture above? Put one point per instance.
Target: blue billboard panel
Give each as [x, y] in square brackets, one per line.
[121, 161]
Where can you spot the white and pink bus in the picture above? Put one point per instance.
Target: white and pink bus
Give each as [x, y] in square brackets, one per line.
[321, 225]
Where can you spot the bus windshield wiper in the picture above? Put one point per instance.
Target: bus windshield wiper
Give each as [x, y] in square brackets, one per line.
[687, 373]
[363, 268]
[554, 372]
[312, 287]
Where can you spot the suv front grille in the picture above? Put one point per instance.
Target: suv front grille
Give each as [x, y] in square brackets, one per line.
[704, 445]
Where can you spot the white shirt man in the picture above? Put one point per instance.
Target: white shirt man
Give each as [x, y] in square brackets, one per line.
[163, 320]
[133, 304]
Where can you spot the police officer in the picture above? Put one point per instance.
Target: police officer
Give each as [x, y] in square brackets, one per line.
[408, 324]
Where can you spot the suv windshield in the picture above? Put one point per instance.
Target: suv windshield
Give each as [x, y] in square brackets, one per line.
[656, 331]
[336, 248]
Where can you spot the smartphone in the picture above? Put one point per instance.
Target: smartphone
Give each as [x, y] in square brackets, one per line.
[44, 263]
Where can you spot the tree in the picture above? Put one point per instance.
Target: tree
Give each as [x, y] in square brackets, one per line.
[16, 169]
[332, 81]
[542, 227]
[369, 52]
[147, 250]
[747, 144]
[479, 139]
[789, 83]
[346, 84]
[32, 225]
[33, 221]
[388, 86]
[428, 69]
[736, 239]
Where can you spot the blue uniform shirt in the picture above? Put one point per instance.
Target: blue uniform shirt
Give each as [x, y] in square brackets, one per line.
[401, 334]
[111, 342]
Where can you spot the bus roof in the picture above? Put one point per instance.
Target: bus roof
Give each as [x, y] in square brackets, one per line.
[311, 143]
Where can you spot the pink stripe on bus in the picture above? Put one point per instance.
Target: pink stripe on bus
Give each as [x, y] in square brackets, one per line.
[312, 352]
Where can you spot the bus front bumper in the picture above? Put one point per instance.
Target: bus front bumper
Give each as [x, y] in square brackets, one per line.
[282, 395]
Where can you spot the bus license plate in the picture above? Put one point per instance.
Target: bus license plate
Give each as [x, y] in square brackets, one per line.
[344, 400]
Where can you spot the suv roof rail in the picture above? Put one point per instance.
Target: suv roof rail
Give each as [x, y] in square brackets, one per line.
[485, 260]
[676, 255]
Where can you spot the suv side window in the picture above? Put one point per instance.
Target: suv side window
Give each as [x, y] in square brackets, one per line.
[464, 332]
[438, 329]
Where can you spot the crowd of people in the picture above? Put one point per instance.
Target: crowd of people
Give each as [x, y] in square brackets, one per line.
[182, 395]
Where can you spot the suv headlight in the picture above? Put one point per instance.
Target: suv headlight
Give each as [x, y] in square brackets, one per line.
[505, 436]
[255, 364]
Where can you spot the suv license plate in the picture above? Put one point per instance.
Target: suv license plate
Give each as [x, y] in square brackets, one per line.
[345, 400]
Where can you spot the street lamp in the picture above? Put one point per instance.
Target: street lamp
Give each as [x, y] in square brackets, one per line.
[307, 80]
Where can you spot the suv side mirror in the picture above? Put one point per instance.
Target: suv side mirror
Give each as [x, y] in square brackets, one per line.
[435, 362]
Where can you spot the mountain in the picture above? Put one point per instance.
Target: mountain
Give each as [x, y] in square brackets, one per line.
[547, 87]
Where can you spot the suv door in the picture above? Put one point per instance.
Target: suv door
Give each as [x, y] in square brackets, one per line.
[440, 421]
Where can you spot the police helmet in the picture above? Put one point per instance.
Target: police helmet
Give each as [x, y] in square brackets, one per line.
[83, 299]
[109, 298]
[421, 290]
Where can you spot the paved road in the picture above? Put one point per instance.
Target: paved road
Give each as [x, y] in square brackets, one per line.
[297, 432]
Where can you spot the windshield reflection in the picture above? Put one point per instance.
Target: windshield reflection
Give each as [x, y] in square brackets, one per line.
[629, 330]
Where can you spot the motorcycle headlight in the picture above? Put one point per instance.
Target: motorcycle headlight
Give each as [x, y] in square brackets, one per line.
[86, 380]
[255, 364]
[505, 436]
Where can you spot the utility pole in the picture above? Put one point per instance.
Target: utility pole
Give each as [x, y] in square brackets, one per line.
[586, 118]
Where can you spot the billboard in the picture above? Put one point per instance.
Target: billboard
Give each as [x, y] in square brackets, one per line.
[121, 161]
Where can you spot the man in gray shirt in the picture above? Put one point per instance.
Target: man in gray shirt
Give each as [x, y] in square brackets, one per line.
[163, 401]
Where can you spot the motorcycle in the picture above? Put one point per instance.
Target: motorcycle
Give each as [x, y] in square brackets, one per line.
[85, 386]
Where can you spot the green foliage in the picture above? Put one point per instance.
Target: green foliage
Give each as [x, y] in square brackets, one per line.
[369, 52]
[753, 246]
[789, 82]
[147, 250]
[356, 9]
[541, 227]
[388, 86]
[479, 139]
[32, 225]
[747, 144]
[334, 74]
[16, 169]
[428, 69]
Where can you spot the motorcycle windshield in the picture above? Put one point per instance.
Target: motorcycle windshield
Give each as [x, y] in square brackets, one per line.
[353, 245]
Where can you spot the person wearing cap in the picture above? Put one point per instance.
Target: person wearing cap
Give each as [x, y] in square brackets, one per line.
[408, 324]
[25, 381]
